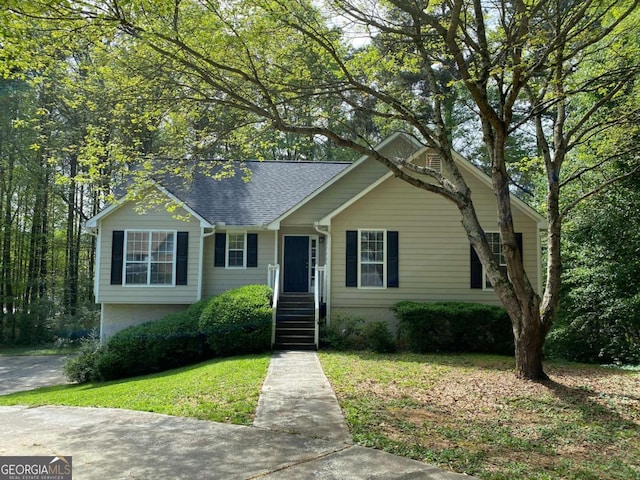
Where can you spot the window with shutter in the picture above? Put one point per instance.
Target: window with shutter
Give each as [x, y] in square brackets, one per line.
[479, 277]
[236, 250]
[372, 259]
[146, 257]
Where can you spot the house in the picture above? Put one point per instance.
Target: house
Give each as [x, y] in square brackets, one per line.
[347, 236]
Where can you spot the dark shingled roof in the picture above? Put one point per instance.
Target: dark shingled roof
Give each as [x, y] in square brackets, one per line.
[272, 189]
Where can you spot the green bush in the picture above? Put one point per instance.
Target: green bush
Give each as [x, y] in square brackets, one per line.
[378, 338]
[196, 309]
[83, 367]
[238, 321]
[352, 333]
[343, 333]
[611, 336]
[169, 342]
[454, 327]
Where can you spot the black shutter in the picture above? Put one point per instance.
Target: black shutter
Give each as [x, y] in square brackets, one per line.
[519, 243]
[393, 262]
[117, 251]
[220, 250]
[252, 250]
[351, 279]
[476, 269]
[182, 247]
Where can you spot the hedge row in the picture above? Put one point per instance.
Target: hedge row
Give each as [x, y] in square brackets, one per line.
[454, 327]
[236, 322]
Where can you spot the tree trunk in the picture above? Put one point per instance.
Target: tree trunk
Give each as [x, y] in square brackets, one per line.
[529, 341]
[70, 300]
[6, 289]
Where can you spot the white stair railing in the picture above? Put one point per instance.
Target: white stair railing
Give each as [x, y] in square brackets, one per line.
[319, 291]
[273, 281]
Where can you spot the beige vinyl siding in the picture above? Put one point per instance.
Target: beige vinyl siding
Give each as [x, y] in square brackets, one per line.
[336, 194]
[434, 261]
[220, 279]
[126, 218]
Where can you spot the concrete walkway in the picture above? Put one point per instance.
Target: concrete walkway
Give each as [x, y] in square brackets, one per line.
[297, 398]
[311, 443]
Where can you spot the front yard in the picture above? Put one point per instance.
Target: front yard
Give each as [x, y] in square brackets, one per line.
[468, 413]
[465, 413]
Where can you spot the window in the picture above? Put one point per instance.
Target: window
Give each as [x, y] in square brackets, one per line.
[372, 258]
[235, 250]
[479, 278]
[496, 247]
[149, 257]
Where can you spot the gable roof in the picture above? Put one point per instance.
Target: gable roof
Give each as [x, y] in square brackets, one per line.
[418, 150]
[273, 188]
[278, 188]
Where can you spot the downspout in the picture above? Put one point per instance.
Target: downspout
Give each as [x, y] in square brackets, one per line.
[95, 232]
[203, 235]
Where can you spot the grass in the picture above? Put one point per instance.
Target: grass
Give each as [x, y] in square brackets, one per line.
[468, 413]
[220, 390]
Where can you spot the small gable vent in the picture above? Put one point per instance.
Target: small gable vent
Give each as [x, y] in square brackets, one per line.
[433, 161]
[429, 159]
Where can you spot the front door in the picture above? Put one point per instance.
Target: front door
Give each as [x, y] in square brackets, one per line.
[296, 264]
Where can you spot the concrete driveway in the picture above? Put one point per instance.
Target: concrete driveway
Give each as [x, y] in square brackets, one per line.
[19, 373]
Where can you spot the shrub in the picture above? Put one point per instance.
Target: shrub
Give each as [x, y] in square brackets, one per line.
[238, 321]
[83, 367]
[343, 333]
[454, 327]
[352, 333]
[378, 338]
[196, 309]
[612, 336]
[169, 342]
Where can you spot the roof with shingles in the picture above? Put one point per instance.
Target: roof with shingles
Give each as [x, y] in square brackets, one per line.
[272, 189]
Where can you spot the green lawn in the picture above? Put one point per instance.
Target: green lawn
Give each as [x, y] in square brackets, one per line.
[468, 413]
[221, 390]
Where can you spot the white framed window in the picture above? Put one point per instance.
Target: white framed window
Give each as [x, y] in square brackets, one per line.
[372, 256]
[236, 250]
[149, 257]
[496, 247]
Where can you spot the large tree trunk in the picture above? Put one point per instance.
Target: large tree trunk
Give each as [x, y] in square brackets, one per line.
[529, 342]
[70, 299]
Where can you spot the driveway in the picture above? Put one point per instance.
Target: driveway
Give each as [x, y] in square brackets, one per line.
[19, 373]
